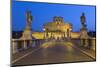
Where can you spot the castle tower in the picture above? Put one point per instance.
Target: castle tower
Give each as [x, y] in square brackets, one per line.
[58, 19]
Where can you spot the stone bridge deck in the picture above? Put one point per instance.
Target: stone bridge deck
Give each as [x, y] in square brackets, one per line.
[53, 52]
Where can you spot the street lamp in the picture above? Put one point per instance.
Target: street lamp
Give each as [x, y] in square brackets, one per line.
[44, 29]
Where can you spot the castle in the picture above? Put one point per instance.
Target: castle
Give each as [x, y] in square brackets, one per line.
[56, 29]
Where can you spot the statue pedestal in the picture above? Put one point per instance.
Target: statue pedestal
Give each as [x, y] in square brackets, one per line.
[27, 38]
[84, 38]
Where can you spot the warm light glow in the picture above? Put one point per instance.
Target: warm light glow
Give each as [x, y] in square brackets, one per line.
[40, 35]
[47, 44]
[43, 29]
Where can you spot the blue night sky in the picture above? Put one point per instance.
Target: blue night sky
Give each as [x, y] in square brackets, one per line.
[43, 13]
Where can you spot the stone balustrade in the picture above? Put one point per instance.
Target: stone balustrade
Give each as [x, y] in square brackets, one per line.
[93, 44]
[19, 45]
[88, 43]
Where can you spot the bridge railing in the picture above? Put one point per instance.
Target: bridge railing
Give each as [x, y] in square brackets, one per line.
[89, 43]
[20, 45]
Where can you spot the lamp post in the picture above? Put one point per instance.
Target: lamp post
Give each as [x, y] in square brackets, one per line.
[44, 33]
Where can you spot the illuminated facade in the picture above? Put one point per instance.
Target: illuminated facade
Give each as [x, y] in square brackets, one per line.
[56, 29]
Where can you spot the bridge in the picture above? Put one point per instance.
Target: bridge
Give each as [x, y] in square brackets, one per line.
[41, 51]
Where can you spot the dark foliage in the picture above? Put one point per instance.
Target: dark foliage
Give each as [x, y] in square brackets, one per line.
[92, 33]
[16, 34]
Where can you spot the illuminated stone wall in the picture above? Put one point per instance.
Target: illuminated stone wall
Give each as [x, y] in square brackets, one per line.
[75, 34]
[40, 35]
[53, 26]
